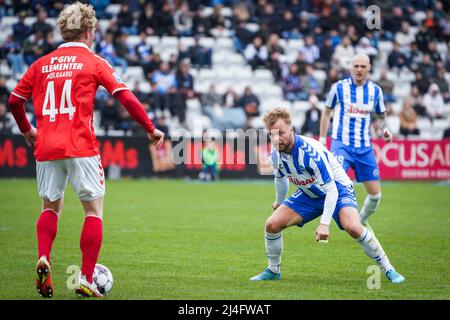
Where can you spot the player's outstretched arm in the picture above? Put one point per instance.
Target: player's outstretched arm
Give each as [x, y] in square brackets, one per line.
[332, 194]
[281, 188]
[137, 112]
[324, 124]
[387, 135]
[17, 107]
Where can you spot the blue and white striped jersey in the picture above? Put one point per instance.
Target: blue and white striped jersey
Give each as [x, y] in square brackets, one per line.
[353, 106]
[309, 166]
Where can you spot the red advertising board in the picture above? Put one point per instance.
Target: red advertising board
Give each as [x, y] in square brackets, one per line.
[413, 159]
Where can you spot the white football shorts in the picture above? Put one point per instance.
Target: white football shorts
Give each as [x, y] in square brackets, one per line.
[85, 174]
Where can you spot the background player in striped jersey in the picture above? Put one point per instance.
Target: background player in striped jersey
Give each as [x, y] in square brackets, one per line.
[65, 146]
[324, 189]
[353, 101]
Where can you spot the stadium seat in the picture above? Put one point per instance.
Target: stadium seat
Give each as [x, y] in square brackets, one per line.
[393, 123]
[168, 41]
[207, 42]
[263, 74]
[113, 9]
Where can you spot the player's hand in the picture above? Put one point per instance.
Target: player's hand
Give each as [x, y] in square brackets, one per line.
[30, 136]
[157, 137]
[322, 232]
[275, 205]
[387, 135]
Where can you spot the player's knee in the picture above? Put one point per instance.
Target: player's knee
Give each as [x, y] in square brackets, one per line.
[375, 197]
[354, 228]
[272, 226]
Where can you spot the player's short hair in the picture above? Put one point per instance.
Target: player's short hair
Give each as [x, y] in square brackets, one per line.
[75, 19]
[274, 115]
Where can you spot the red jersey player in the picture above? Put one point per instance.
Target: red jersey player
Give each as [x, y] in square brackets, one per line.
[63, 86]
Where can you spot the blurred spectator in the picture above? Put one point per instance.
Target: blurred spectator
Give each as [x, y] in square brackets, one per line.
[34, 47]
[109, 115]
[332, 77]
[422, 83]
[343, 53]
[124, 121]
[211, 98]
[108, 51]
[417, 102]
[125, 20]
[289, 28]
[310, 50]
[165, 93]
[427, 67]
[387, 86]
[200, 56]
[140, 95]
[256, 53]
[408, 119]
[326, 54]
[5, 126]
[311, 126]
[310, 83]
[434, 102]
[144, 52]
[164, 20]
[4, 92]
[230, 98]
[404, 37]
[423, 37]
[185, 80]
[414, 57]
[20, 30]
[292, 86]
[435, 56]
[250, 103]
[304, 26]
[147, 22]
[13, 54]
[396, 58]
[301, 64]
[365, 46]
[183, 21]
[161, 124]
[275, 52]
[125, 50]
[41, 25]
[242, 37]
[442, 83]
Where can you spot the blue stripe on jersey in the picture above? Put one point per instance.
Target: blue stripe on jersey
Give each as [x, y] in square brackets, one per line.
[314, 189]
[377, 99]
[352, 93]
[285, 166]
[280, 174]
[296, 164]
[352, 120]
[310, 152]
[333, 103]
[340, 92]
[308, 168]
[351, 132]
[366, 93]
[363, 129]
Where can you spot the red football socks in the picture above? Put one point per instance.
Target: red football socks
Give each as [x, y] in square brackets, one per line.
[90, 243]
[46, 227]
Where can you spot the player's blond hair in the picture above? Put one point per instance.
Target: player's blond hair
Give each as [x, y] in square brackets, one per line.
[274, 115]
[75, 19]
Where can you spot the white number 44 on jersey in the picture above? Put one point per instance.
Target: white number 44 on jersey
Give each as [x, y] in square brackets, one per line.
[65, 107]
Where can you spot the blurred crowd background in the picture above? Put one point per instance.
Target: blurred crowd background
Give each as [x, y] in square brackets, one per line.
[221, 64]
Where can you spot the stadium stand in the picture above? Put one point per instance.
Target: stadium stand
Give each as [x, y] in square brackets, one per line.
[216, 38]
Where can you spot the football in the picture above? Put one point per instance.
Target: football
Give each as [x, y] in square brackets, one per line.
[103, 278]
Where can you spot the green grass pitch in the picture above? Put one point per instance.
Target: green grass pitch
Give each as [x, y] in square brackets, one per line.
[176, 239]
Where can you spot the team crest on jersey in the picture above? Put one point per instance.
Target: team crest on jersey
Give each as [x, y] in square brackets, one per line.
[346, 200]
[118, 78]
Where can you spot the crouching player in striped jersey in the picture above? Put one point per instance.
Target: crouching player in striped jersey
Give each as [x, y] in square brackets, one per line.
[324, 189]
